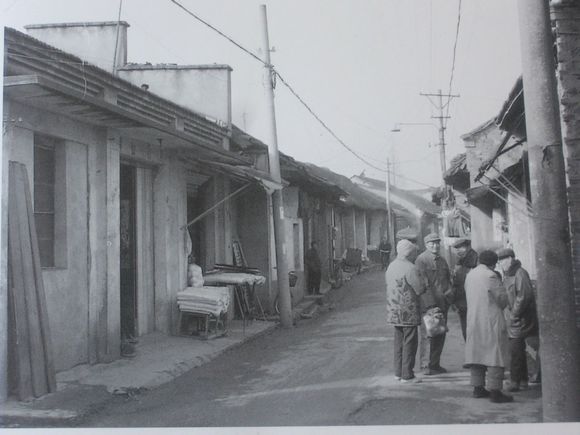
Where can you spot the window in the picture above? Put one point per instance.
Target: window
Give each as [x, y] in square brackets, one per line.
[48, 199]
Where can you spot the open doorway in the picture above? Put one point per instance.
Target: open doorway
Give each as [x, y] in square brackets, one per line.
[128, 257]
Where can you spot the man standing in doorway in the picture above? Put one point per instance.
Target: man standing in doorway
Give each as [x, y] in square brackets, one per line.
[435, 271]
[467, 260]
[313, 269]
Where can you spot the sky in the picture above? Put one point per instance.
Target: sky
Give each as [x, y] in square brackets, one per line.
[360, 65]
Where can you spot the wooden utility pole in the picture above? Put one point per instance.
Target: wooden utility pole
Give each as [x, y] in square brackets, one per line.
[558, 334]
[277, 198]
[391, 226]
[440, 106]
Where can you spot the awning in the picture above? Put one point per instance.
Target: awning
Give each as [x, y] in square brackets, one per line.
[245, 173]
[38, 91]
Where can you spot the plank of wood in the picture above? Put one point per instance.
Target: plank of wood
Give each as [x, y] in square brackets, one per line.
[46, 337]
[39, 386]
[22, 351]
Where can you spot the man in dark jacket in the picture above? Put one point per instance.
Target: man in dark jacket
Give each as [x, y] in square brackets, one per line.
[467, 260]
[385, 251]
[313, 269]
[435, 270]
[522, 320]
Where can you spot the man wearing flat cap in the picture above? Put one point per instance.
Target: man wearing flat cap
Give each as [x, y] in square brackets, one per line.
[435, 271]
[466, 261]
[522, 318]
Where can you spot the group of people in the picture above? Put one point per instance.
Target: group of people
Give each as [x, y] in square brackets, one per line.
[497, 313]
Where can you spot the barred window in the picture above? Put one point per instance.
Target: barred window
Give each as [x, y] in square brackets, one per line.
[48, 198]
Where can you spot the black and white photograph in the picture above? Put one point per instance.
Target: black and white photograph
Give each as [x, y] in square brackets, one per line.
[290, 216]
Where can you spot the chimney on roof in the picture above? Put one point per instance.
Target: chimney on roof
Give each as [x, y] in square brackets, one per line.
[103, 44]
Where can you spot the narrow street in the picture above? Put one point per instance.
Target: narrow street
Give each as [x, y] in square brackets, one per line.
[334, 369]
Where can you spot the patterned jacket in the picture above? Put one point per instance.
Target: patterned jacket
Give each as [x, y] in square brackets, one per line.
[404, 285]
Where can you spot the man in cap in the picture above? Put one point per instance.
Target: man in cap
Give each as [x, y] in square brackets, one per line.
[486, 346]
[466, 261]
[435, 271]
[404, 285]
[407, 234]
[522, 320]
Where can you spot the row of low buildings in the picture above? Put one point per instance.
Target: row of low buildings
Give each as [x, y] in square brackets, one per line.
[494, 174]
[121, 159]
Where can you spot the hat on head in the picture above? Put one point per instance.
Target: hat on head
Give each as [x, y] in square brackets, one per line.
[461, 242]
[505, 252]
[433, 237]
[407, 234]
[406, 248]
[487, 257]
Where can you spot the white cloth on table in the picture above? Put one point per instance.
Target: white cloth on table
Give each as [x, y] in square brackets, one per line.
[204, 300]
[233, 278]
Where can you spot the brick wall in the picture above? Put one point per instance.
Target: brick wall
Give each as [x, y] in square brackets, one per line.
[566, 24]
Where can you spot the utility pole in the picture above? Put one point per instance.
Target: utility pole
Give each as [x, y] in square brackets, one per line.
[391, 226]
[277, 198]
[440, 106]
[558, 334]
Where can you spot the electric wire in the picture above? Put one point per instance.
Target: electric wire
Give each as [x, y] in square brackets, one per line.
[255, 56]
[288, 86]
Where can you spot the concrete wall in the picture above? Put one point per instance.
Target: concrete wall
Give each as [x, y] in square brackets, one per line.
[349, 229]
[566, 20]
[361, 231]
[93, 42]
[203, 89]
[521, 234]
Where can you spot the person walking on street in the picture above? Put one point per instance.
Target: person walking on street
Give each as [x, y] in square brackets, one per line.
[486, 346]
[467, 260]
[313, 269]
[435, 270]
[404, 285]
[522, 316]
[385, 251]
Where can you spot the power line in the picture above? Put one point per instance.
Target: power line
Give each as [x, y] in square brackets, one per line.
[218, 31]
[326, 127]
[454, 55]
[296, 95]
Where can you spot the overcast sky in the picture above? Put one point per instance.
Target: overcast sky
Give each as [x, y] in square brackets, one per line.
[359, 64]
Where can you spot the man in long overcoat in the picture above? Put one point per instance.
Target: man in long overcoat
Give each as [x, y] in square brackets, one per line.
[404, 285]
[435, 270]
[486, 347]
[466, 261]
[522, 316]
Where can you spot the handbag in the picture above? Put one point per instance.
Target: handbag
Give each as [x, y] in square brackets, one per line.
[434, 321]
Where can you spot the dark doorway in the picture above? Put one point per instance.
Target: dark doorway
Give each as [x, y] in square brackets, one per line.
[128, 260]
[195, 208]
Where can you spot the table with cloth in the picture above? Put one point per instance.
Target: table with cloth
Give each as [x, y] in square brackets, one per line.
[244, 289]
[208, 306]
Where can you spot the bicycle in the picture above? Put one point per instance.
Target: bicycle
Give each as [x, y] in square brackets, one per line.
[336, 277]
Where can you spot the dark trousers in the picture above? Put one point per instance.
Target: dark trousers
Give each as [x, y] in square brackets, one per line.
[385, 256]
[462, 313]
[314, 277]
[518, 363]
[406, 342]
[435, 349]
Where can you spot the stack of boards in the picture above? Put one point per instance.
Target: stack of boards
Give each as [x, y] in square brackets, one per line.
[31, 364]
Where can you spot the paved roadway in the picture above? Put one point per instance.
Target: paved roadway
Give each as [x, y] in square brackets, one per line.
[334, 369]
